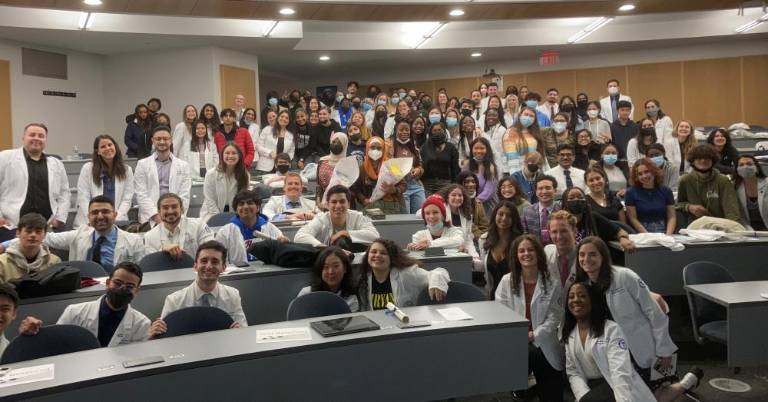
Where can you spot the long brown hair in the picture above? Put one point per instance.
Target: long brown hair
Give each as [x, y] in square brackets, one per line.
[493, 236]
[241, 175]
[118, 169]
[466, 206]
[516, 269]
[605, 276]
[690, 142]
[398, 259]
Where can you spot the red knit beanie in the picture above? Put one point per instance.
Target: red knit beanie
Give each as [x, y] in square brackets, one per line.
[436, 200]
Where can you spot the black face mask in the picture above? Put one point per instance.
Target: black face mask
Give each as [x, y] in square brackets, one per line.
[426, 104]
[582, 103]
[567, 108]
[356, 105]
[533, 168]
[283, 169]
[380, 114]
[294, 99]
[648, 132]
[119, 298]
[466, 112]
[336, 148]
[577, 206]
[437, 138]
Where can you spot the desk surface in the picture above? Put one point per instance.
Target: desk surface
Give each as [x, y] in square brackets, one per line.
[101, 367]
[732, 293]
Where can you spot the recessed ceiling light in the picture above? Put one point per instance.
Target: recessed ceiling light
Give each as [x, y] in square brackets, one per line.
[324, 58]
[92, 2]
[476, 54]
[456, 12]
[627, 7]
[287, 11]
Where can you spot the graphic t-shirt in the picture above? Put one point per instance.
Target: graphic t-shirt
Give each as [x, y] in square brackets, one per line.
[381, 294]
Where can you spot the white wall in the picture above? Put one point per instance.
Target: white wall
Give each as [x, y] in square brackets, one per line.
[71, 121]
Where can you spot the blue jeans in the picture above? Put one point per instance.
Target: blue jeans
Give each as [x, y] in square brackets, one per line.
[414, 196]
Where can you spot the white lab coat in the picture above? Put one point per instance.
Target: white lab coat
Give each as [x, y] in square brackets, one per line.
[613, 361]
[133, 328]
[14, 180]
[553, 265]
[191, 233]
[639, 316]
[318, 231]
[87, 189]
[408, 282]
[762, 202]
[211, 156]
[664, 128]
[129, 246]
[230, 236]
[452, 237]
[276, 206]
[352, 302]
[605, 107]
[148, 185]
[469, 240]
[546, 314]
[267, 144]
[3, 343]
[218, 192]
[181, 138]
[226, 297]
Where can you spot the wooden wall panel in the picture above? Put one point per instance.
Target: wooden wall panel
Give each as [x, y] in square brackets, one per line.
[425, 86]
[459, 87]
[237, 80]
[712, 91]
[540, 82]
[593, 81]
[6, 127]
[755, 79]
[660, 81]
[517, 80]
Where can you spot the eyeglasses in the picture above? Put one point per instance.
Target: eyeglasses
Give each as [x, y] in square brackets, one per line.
[565, 155]
[118, 283]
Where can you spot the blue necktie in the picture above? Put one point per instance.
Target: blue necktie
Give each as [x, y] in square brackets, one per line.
[568, 181]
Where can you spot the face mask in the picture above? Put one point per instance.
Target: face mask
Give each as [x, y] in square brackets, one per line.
[339, 98]
[436, 228]
[375, 154]
[272, 101]
[613, 90]
[283, 169]
[658, 160]
[577, 206]
[248, 121]
[434, 118]
[295, 99]
[647, 132]
[356, 105]
[533, 168]
[568, 108]
[472, 194]
[119, 298]
[437, 138]
[466, 112]
[426, 104]
[526, 121]
[349, 96]
[652, 112]
[381, 102]
[747, 171]
[336, 149]
[380, 114]
[478, 160]
[451, 121]
[402, 94]
[354, 137]
[610, 160]
[404, 142]
[559, 127]
[531, 104]
[582, 103]
[395, 100]
[592, 113]
[366, 107]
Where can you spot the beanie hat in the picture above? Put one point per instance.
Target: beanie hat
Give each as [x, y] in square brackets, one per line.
[437, 201]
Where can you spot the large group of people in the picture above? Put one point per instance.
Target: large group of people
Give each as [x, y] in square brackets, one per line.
[527, 188]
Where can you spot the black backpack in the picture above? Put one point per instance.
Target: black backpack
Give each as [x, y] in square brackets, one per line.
[290, 255]
[60, 278]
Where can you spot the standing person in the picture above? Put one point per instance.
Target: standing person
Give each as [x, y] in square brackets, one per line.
[468, 180]
[403, 146]
[200, 152]
[300, 128]
[239, 107]
[229, 132]
[376, 153]
[686, 141]
[650, 204]
[440, 160]
[531, 291]
[248, 122]
[210, 116]
[28, 255]
[705, 191]
[177, 234]
[526, 177]
[483, 166]
[183, 133]
[555, 135]
[158, 174]
[561, 254]
[467, 133]
[273, 140]
[566, 175]
[752, 190]
[550, 107]
[523, 138]
[495, 246]
[609, 105]
[600, 128]
[320, 135]
[223, 183]
[32, 181]
[727, 153]
[106, 174]
[138, 143]
[511, 109]
[661, 122]
[509, 190]
[272, 106]
[459, 208]
[623, 128]
[615, 170]
[638, 146]
[534, 219]
[356, 146]
[582, 101]
[327, 164]
[601, 199]
[332, 272]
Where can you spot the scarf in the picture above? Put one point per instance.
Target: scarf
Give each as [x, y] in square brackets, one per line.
[333, 159]
[370, 166]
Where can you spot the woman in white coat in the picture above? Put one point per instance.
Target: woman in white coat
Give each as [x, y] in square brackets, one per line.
[224, 182]
[388, 275]
[108, 175]
[459, 209]
[533, 293]
[752, 191]
[274, 139]
[199, 152]
[332, 272]
[661, 122]
[182, 133]
[439, 232]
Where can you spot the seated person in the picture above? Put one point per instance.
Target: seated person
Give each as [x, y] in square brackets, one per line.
[561, 254]
[670, 173]
[291, 205]
[9, 303]
[332, 272]
[650, 204]
[591, 224]
[439, 232]
[28, 254]
[205, 290]
[110, 318]
[282, 166]
[240, 232]
[601, 199]
[176, 234]
[388, 275]
[705, 191]
[339, 224]
[533, 165]
[536, 216]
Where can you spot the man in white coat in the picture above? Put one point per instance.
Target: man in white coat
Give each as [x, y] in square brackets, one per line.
[291, 205]
[158, 174]
[31, 181]
[177, 234]
[608, 104]
[110, 318]
[9, 303]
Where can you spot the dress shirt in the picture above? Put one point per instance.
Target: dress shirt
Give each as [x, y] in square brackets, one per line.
[107, 248]
[225, 298]
[163, 174]
[37, 187]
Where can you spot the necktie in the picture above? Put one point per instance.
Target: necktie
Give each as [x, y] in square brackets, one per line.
[614, 112]
[544, 225]
[565, 271]
[568, 181]
[206, 300]
[552, 112]
[292, 204]
[96, 251]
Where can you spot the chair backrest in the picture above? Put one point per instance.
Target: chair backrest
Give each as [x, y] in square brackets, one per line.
[52, 340]
[194, 320]
[704, 311]
[87, 268]
[316, 304]
[161, 261]
[761, 146]
[458, 292]
[220, 219]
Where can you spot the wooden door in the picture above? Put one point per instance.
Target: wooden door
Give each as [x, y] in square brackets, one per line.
[237, 80]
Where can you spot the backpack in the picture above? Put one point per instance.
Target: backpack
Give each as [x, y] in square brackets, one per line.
[289, 255]
[60, 278]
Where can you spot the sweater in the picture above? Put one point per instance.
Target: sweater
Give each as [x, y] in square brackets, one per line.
[712, 190]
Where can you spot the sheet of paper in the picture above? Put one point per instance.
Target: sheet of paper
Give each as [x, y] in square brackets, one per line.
[454, 314]
[231, 268]
[283, 335]
[26, 375]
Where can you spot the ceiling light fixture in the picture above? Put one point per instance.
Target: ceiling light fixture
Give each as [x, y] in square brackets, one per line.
[627, 7]
[456, 12]
[324, 58]
[431, 34]
[270, 27]
[594, 26]
[752, 24]
[92, 2]
[86, 20]
[476, 54]
[287, 11]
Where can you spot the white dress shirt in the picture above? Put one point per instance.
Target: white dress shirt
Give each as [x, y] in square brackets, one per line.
[577, 176]
[225, 298]
[189, 234]
[279, 204]
[546, 109]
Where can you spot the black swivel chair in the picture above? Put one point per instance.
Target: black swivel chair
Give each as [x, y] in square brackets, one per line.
[220, 219]
[458, 292]
[52, 340]
[161, 261]
[88, 269]
[709, 319]
[194, 320]
[316, 304]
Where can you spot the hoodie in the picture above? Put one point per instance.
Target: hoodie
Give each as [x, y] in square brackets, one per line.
[14, 265]
[712, 190]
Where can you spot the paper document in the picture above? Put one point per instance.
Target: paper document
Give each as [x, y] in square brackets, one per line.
[283, 335]
[454, 314]
[231, 268]
[658, 373]
[26, 375]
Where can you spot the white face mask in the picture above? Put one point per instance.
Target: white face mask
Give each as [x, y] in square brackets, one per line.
[375, 154]
[472, 194]
[592, 113]
[613, 90]
[559, 127]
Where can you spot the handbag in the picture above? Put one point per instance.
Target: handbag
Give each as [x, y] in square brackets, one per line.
[60, 278]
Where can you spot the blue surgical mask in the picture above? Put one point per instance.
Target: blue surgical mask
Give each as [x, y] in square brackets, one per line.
[610, 159]
[526, 121]
[434, 118]
[395, 100]
[402, 94]
[366, 107]
[658, 160]
[559, 127]
[272, 101]
[436, 228]
[531, 104]
[381, 102]
[451, 121]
